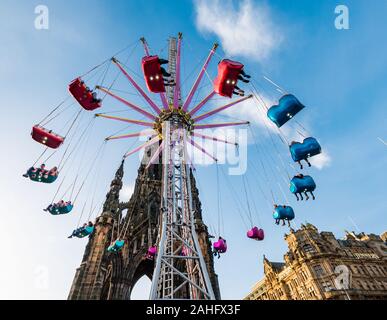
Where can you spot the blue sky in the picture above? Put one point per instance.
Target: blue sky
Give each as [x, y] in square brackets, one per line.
[340, 75]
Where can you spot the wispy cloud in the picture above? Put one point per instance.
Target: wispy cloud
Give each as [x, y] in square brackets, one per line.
[321, 161]
[246, 31]
[253, 111]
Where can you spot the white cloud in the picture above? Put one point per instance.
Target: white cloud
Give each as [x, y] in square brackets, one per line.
[251, 110]
[126, 192]
[321, 161]
[247, 30]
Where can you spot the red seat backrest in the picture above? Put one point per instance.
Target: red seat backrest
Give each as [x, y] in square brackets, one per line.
[152, 73]
[228, 72]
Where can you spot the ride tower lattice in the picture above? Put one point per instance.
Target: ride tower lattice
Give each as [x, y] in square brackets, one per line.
[180, 267]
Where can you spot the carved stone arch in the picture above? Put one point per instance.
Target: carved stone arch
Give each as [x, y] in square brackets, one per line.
[138, 268]
[113, 277]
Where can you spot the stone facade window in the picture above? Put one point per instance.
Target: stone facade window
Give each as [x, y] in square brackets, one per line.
[312, 293]
[327, 286]
[318, 270]
[308, 248]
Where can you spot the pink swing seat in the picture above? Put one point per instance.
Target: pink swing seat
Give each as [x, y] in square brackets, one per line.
[256, 234]
[152, 251]
[220, 246]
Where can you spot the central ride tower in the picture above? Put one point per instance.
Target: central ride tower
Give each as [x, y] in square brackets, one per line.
[180, 270]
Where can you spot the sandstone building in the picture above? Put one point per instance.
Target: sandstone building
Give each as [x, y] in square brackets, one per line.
[320, 267]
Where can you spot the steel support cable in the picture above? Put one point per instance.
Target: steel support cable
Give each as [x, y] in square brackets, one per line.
[79, 142]
[251, 196]
[261, 100]
[252, 165]
[57, 191]
[268, 202]
[53, 111]
[260, 160]
[218, 196]
[247, 201]
[277, 151]
[280, 135]
[80, 217]
[107, 60]
[50, 156]
[41, 155]
[196, 67]
[57, 115]
[101, 80]
[66, 191]
[205, 200]
[59, 166]
[72, 124]
[268, 154]
[91, 167]
[68, 146]
[96, 180]
[235, 195]
[119, 72]
[68, 121]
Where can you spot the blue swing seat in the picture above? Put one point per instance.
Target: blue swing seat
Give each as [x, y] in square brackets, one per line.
[116, 246]
[84, 232]
[302, 151]
[285, 213]
[55, 211]
[305, 184]
[286, 109]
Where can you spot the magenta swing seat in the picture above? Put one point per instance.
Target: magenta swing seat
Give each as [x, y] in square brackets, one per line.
[152, 251]
[220, 246]
[256, 234]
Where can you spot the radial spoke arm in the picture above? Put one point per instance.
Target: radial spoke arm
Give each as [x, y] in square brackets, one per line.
[139, 122]
[129, 104]
[219, 125]
[201, 149]
[145, 45]
[132, 135]
[144, 95]
[217, 110]
[201, 104]
[199, 135]
[199, 78]
[146, 144]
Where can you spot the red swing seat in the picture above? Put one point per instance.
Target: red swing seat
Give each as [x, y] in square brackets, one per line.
[46, 137]
[152, 73]
[228, 72]
[85, 98]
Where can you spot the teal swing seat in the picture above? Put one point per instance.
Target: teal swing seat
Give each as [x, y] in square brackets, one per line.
[116, 246]
[56, 211]
[42, 178]
[84, 232]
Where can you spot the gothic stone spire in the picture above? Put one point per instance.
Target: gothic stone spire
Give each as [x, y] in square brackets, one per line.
[112, 202]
